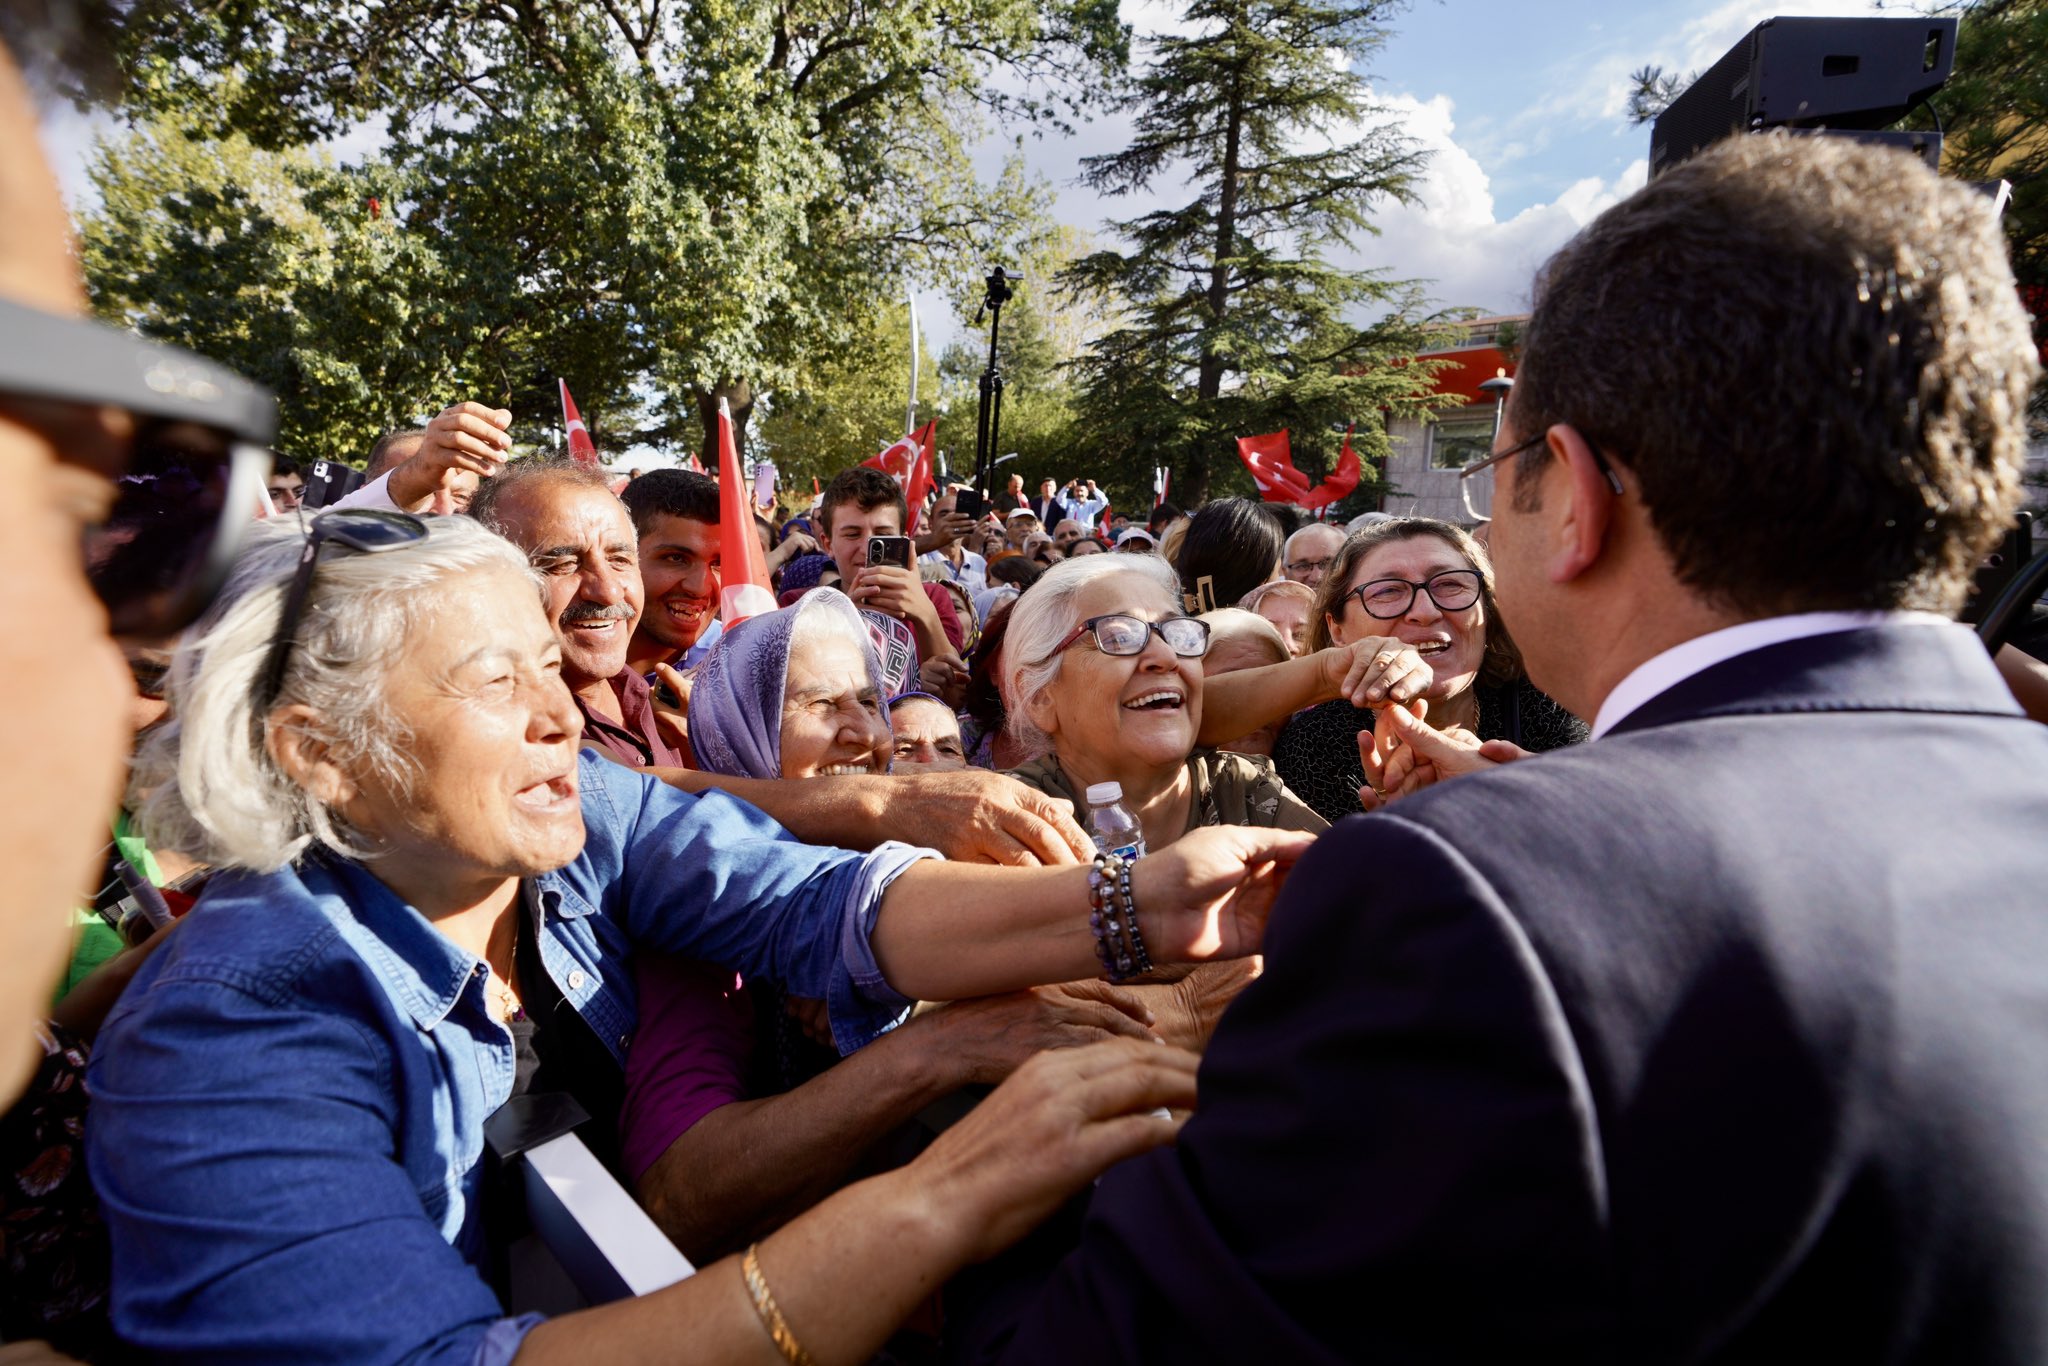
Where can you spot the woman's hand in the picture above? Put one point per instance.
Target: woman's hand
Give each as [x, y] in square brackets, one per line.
[984, 1039]
[1373, 671]
[1058, 1123]
[975, 816]
[1207, 895]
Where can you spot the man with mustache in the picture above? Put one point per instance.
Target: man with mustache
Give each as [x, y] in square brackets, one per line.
[579, 536]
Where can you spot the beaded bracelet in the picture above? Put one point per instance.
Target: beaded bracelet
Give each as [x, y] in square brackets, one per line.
[1113, 917]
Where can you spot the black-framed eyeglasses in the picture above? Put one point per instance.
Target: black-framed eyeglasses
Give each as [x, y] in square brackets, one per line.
[1385, 599]
[1599, 461]
[365, 530]
[188, 468]
[1321, 566]
[1121, 635]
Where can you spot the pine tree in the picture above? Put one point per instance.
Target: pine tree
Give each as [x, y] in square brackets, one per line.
[1234, 317]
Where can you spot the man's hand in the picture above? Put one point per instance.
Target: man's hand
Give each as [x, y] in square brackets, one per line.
[1373, 671]
[467, 437]
[975, 816]
[674, 722]
[942, 530]
[884, 587]
[1416, 746]
[794, 544]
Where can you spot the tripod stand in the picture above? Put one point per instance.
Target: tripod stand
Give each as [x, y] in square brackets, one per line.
[988, 421]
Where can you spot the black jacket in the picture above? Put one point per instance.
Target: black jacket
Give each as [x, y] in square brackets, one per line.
[1723, 1038]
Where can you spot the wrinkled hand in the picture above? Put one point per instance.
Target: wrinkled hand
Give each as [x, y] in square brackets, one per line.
[945, 676]
[794, 544]
[1186, 1010]
[986, 1038]
[1063, 1119]
[1374, 670]
[466, 437]
[1207, 895]
[975, 816]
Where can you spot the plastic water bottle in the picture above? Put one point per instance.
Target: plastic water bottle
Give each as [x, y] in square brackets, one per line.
[1115, 829]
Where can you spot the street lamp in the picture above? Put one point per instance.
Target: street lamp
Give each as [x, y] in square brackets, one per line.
[1498, 387]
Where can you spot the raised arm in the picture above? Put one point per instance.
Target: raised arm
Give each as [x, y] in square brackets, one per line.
[1371, 671]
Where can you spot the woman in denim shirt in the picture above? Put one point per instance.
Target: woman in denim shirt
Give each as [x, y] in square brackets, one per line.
[289, 1103]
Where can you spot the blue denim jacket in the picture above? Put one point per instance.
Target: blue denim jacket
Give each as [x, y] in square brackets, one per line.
[288, 1104]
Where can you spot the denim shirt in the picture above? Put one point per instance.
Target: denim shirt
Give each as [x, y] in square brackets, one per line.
[289, 1101]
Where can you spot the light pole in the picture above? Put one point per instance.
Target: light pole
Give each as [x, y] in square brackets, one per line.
[1498, 386]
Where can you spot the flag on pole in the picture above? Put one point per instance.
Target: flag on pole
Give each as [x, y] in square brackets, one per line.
[1270, 459]
[1162, 477]
[908, 461]
[743, 589]
[695, 466]
[581, 449]
[1339, 484]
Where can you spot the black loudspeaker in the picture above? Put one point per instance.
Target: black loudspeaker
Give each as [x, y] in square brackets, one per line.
[1837, 74]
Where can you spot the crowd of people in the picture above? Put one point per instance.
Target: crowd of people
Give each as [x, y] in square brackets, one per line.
[1612, 933]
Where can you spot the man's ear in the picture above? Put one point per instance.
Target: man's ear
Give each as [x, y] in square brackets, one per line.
[1584, 504]
[293, 737]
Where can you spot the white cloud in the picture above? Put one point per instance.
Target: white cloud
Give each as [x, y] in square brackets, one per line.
[1453, 237]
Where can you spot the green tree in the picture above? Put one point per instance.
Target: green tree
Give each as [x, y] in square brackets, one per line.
[1233, 317]
[722, 184]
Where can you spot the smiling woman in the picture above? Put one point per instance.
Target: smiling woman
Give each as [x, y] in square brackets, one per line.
[425, 903]
[793, 694]
[1102, 681]
[1426, 584]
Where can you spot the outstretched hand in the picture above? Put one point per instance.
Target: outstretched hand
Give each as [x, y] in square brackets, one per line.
[466, 437]
[1059, 1122]
[1207, 895]
[1373, 671]
[974, 816]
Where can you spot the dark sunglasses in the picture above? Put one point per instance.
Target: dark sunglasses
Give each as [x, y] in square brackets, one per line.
[364, 530]
[1121, 635]
[188, 468]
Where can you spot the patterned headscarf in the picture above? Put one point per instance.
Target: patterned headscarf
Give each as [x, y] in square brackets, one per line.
[736, 701]
[804, 571]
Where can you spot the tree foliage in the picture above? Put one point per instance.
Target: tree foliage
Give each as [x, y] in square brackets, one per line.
[664, 203]
[1233, 318]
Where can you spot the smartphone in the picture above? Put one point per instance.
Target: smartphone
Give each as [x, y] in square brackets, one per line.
[889, 550]
[330, 481]
[970, 502]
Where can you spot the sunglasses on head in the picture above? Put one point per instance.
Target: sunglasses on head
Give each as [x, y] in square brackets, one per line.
[188, 465]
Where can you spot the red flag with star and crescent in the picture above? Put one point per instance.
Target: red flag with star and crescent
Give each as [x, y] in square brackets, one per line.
[581, 449]
[908, 460]
[1270, 458]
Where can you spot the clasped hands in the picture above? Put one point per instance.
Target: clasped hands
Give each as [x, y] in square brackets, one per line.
[1403, 753]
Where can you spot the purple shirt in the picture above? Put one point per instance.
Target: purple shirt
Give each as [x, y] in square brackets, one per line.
[638, 742]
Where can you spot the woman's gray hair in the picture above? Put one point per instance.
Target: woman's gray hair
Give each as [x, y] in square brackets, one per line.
[214, 791]
[1042, 617]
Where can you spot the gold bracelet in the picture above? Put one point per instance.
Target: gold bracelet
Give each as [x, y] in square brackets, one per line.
[771, 1317]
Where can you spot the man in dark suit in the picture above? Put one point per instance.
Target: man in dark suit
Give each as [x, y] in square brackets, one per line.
[1723, 1037]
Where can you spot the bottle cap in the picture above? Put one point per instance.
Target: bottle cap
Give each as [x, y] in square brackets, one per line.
[1102, 794]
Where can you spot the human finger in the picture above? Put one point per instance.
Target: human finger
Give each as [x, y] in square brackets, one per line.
[1444, 752]
[1503, 751]
[1121, 999]
[1054, 836]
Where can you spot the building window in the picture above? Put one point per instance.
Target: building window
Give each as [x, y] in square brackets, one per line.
[1458, 439]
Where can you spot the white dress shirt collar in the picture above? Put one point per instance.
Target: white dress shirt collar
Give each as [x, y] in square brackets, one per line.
[1660, 673]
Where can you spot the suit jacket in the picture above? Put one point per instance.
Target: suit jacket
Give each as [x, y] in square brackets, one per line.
[1723, 1038]
[1050, 511]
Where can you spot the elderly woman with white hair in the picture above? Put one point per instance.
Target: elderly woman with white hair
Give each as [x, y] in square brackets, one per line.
[1102, 681]
[426, 903]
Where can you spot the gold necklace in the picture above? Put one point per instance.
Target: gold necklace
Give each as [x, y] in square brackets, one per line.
[510, 1010]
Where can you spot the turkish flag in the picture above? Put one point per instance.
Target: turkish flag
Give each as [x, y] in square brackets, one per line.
[581, 449]
[908, 461]
[1270, 458]
[743, 589]
[1340, 483]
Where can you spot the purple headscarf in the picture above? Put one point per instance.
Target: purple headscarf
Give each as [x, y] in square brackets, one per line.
[736, 701]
